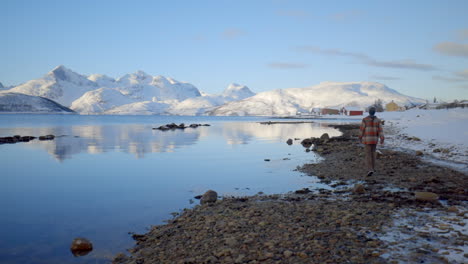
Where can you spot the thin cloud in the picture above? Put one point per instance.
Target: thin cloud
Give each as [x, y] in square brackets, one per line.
[462, 74]
[452, 49]
[232, 33]
[400, 64]
[385, 78]
[294, 13]
[287, 65]
[448, 79]
[367, 60]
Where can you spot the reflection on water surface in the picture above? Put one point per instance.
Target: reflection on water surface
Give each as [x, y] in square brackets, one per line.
[103, 178]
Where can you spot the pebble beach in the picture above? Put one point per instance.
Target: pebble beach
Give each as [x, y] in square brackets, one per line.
[409, 211]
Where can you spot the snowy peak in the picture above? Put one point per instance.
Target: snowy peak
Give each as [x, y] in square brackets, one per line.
[237, 91]
[1, 86]
[63, 74]
[100, 78]
[136, 78]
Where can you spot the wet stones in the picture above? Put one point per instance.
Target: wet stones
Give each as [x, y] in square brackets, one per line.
[81, 246]
[47, 137]
[303, 191]
[209, 197]
[359, 189]
[174, 126]
[325, 136]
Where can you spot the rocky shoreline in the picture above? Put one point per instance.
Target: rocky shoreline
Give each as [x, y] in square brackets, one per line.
[361, 219]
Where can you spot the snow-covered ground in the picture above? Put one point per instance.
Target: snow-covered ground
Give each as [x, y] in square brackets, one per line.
[441, 135]
[426, 235]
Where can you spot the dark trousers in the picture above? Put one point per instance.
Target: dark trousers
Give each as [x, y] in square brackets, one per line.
[370, 156]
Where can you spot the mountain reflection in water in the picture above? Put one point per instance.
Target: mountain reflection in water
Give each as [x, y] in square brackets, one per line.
[103, 176]
[140, 139]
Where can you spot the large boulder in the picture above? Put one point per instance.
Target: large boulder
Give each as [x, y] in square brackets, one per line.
[209, 197]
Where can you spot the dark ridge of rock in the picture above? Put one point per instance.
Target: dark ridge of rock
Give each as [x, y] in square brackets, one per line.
[174, 126]
[47, 137]
[15, 139]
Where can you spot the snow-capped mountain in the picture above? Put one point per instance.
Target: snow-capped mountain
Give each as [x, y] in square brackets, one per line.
[326, 94]
[141, 93]
[1, 86]
[18, 102]
[237, 92]
[99, 93]
[61, 85]
[200, 105]
[143, 87]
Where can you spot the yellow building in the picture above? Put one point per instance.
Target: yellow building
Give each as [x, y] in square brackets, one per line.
[392, 106]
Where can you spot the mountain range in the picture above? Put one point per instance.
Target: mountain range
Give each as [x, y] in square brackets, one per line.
[141, 93]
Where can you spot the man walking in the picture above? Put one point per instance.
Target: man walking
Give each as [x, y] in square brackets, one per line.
[371, 131]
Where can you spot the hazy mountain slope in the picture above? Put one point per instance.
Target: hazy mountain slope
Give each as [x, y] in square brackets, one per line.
[326, 94]
[17, 102]
[100, 100]
[237, 92]
[139, 108]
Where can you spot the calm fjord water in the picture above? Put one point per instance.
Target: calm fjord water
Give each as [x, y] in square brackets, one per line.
[105, 176]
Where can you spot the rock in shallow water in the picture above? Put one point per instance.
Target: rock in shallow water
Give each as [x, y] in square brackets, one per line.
[81, 246]
[209, 197]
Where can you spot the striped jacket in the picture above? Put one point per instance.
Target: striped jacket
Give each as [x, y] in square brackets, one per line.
[371, 130]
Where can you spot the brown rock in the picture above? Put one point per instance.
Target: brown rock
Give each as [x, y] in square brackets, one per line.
[209, 197]
[359, 189]
[325, 136]
[287, 253]
[419, 153]
[426, 196]
[81, 246]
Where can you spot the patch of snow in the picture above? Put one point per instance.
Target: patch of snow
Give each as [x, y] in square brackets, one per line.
[440, 134]
[100, 100]
[429, 235]
[140, 108]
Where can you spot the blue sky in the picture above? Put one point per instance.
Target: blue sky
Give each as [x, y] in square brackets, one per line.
[419, 48]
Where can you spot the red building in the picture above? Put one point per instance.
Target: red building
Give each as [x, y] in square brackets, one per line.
[356, 113]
